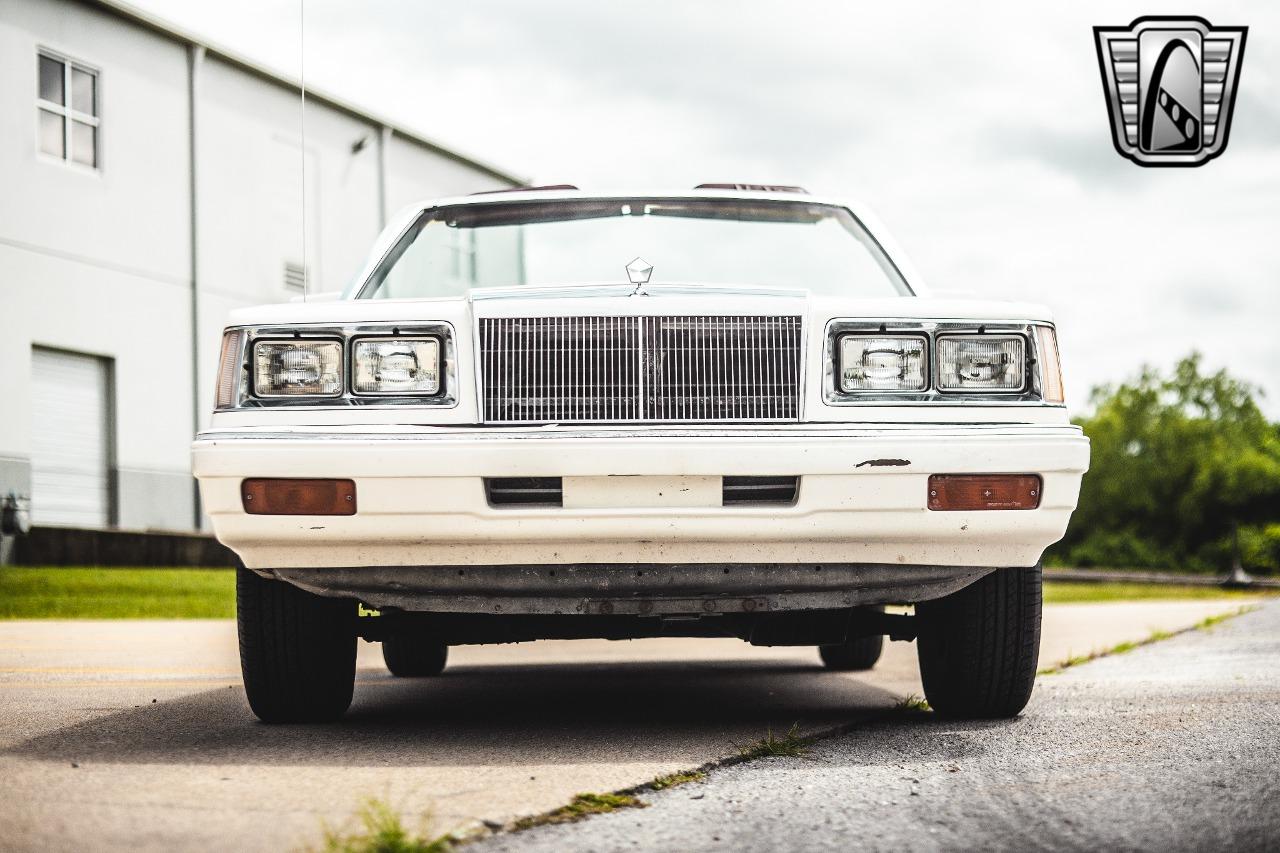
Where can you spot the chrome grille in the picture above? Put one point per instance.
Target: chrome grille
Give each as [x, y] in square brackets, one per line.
[666, 368]
[561, 369]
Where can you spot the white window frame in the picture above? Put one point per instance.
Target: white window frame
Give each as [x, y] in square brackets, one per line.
[68, 113]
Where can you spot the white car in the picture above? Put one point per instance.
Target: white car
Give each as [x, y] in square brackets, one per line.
[725, 412]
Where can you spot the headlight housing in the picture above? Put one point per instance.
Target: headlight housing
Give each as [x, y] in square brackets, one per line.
[397, 366]
[333, 365]
[982, 363]
[909, 361]
[297, 368]
[882, 363]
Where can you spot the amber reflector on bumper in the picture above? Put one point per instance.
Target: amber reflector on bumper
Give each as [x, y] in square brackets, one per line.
[984, 491]
[298, 497]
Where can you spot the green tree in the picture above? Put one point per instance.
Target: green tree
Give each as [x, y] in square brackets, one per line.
[1179, 462]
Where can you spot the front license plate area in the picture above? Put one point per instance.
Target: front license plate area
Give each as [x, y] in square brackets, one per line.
[641, 492]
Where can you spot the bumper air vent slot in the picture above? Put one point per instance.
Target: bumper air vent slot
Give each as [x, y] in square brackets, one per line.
[523, 491]
[750, 491]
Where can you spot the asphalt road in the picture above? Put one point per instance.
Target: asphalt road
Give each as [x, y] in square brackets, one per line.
[1172, 747]
[135, 735]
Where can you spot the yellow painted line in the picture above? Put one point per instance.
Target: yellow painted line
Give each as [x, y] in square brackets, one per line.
[233, 680]
[87, 670]
[136, 684]
[119, 670]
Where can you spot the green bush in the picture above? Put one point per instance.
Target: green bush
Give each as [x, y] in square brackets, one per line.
[1179, 462]
[1260, 547]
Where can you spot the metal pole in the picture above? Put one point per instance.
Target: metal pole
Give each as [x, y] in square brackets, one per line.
[384, 143]
[195, 59]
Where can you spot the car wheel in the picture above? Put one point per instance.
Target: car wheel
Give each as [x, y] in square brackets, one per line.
[410, 657]
[297, 650]
[978, 647]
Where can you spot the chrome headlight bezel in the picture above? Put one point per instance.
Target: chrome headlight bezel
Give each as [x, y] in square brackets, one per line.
[236, 389]
[1030, 332]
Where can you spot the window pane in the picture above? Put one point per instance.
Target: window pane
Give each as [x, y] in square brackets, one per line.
[51, 82]
[51, 138]
[83, 97]
[84, 143]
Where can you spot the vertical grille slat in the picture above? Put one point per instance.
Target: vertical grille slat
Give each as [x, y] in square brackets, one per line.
[650, 369]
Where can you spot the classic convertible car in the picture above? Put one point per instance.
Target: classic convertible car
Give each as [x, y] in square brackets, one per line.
[726, 412]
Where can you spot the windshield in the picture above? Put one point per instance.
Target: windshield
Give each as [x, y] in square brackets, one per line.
[689, 242]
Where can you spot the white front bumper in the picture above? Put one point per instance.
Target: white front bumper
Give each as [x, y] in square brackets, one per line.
[421, 498]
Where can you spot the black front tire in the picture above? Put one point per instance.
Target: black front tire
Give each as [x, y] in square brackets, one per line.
[979, 647]
[297, 650]
[412, 657]
[856, 655]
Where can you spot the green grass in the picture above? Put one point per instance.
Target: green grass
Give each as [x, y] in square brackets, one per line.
[672, 780]
[73, 593]
[381, 831]
[1072, 593]
[582, 806]
[1209, 621]
[914, 704]
[789, 745]
[1154, 637]
[80, 593]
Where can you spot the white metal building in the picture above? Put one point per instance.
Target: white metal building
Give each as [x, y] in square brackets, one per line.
[150, 183]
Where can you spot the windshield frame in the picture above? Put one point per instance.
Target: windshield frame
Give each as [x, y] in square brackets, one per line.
[365, 285]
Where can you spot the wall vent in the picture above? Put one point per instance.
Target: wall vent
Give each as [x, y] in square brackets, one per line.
[295, 277]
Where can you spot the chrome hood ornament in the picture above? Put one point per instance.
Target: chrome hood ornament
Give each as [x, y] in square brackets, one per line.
[638, 272]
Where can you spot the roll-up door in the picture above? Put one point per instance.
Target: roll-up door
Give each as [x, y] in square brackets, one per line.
[70, 439]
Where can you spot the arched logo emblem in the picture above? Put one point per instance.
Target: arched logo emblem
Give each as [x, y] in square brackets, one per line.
[1170, 85]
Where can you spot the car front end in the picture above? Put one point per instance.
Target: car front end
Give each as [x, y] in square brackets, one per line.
[486, 460]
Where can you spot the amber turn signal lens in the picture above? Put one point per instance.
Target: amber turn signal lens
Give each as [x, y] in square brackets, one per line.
[984, 491]
[298, 497]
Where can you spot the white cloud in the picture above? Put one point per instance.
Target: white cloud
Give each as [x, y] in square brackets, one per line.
[980, 136]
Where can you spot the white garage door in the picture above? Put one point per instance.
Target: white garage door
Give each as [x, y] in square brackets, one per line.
[70, 439]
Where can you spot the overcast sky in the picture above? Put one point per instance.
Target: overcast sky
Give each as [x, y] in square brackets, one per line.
[979, 135]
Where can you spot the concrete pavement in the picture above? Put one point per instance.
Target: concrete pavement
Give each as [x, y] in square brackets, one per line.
[1172, 747]
[135, 735]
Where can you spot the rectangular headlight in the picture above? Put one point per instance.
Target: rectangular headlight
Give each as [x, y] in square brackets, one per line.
[399, 366]
[981, 363]
[882, 363]
[297, 368]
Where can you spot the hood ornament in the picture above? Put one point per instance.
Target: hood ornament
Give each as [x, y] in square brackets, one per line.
[638, 272]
